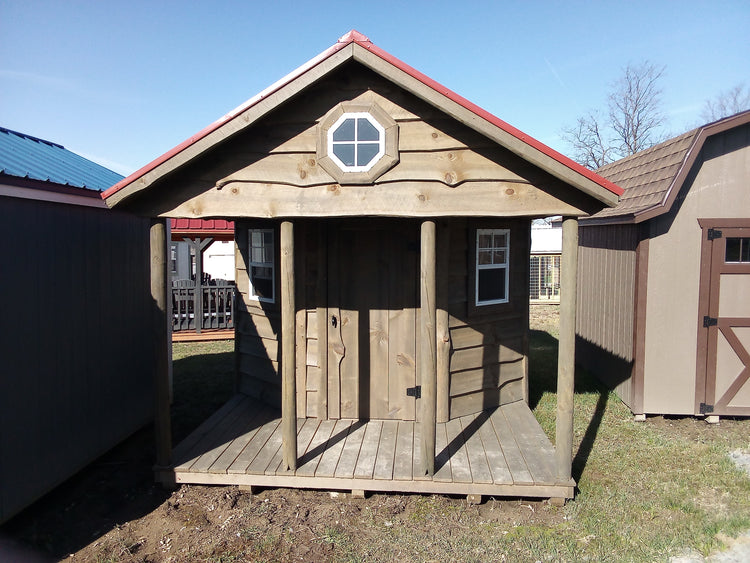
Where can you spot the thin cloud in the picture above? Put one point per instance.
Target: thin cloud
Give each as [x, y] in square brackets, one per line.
[555, 74]
[36, 79]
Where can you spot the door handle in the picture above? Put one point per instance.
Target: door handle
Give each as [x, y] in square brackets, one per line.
[334, 321]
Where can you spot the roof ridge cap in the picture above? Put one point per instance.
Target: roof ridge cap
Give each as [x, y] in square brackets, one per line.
[354, 36]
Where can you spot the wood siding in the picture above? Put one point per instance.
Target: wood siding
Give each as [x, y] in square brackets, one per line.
[76, 347]
[605, 310]
[445, 168]
[489, 345]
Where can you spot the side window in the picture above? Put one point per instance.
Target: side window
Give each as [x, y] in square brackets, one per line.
[261, 268]
[492, 259]
[737, 250]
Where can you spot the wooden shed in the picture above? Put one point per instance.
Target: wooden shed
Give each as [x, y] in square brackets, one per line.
[382, 232]
[76, 305]
[664, 277]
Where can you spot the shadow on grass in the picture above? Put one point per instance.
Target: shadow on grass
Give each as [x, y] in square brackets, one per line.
[543, 348]
[119, 486]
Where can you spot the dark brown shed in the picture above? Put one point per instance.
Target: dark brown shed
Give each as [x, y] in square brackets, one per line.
[664, 290]
[75, 306]
[382, 231]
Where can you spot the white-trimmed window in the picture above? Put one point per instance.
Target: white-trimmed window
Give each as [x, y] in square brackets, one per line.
[493, 246]
[356, 142]
[261, 268]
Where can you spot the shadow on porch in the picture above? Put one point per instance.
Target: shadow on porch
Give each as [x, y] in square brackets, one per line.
[499, 452]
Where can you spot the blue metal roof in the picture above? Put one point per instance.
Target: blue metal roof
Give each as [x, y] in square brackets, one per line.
[25, 156]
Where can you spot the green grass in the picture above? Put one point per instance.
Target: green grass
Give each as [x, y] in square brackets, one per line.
[645, 489]
[203, 380]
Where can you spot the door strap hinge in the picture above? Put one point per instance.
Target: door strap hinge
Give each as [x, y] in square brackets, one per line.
[706, 409]
[415, 392]
[709, 321]
[713, 234]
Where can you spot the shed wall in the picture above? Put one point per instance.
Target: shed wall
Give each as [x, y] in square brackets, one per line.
[717, 187]
[488, 347]
[76, 321]
[605, 305]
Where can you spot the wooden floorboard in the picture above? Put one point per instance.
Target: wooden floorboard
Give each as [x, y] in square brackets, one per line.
[501, 452]
[330, 458]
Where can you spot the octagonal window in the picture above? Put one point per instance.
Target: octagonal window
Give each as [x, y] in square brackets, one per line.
[356, 142]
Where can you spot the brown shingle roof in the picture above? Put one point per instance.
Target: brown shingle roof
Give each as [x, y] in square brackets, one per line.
[647, 176]
[652, 178]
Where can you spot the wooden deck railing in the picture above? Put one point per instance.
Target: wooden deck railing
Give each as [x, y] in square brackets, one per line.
[212, 305]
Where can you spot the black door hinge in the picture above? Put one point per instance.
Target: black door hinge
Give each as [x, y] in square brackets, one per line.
[709, 321]
[706, 409]
[713, 234]
[415, 392]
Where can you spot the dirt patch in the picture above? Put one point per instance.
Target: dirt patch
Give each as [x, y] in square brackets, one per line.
[225, 524]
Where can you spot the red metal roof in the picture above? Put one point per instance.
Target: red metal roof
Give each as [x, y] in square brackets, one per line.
[364, 42]
[202, 225]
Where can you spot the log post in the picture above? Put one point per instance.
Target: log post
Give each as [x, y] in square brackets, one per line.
[442, 325]
[159, 288]
[428, 340]
[288, 352]
[566, 351]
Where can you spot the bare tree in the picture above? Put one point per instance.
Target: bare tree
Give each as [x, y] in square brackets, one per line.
[632, 123]
[590, 148]
[726, 103]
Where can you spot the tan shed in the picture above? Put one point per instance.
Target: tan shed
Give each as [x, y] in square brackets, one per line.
[382, 248]
[664, 277]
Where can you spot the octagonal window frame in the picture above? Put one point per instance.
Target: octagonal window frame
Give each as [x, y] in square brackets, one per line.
[385, 158]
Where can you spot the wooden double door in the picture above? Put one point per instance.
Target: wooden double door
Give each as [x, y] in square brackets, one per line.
[372, 306]
[724, 342]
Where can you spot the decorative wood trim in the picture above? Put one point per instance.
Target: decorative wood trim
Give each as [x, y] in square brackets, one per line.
[400, 199]
[387, 161]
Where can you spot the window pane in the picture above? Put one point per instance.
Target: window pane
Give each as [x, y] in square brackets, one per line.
[267, 238]
[498, 257]
[491, 284]
[256, 255]
[257, 238]
[366, 131]
[501, 241]
[485, 257]
[345, 154]
[745, 251]
[485, 241]
[366, 152]
[733, 249]
[345, 131]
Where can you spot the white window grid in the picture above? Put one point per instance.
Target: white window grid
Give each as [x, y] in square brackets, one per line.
[492, 252]
[261, 263]
[356, 142]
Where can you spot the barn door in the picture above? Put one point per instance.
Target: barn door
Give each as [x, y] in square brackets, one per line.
[725, 324]
[372, 296]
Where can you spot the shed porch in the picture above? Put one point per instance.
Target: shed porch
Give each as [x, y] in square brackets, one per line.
[498, 452]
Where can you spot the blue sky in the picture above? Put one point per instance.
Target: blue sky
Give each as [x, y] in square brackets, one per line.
[123, 82]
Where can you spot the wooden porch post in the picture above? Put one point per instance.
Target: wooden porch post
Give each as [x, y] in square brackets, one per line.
[288, 352]
[566, 352]
[427, 350]
[159, 288]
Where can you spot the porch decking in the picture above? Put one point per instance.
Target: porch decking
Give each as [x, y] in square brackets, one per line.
[501, 452]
